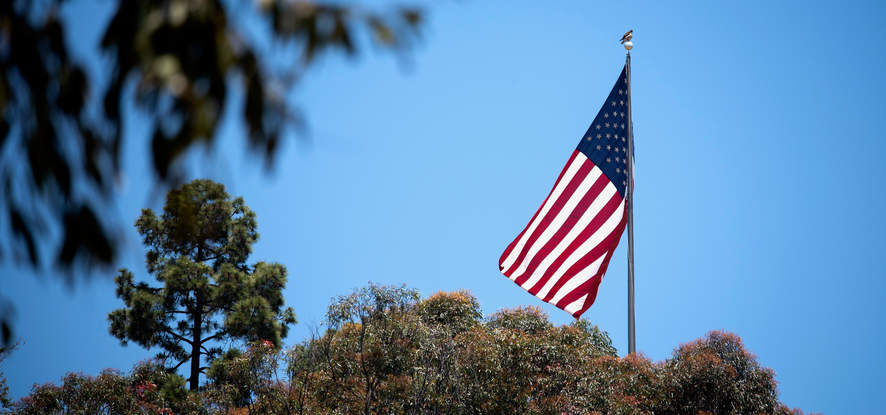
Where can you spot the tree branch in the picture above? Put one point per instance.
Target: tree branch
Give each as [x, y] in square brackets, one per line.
[178, 337]
[213, 337]
[181, 363]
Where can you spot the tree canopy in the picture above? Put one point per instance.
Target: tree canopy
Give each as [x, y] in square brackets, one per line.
[197, 249]
[384, 349]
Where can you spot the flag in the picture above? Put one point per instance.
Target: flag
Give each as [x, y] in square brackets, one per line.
[562, 254]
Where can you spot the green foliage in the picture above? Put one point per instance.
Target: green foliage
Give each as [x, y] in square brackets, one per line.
[184, 57]
[610, 385]
[244, 379]
[197, 250]
[376, 356]
[385, 351]
[180, 64]
[375, 302]
[588, 336]
[529, 319]
[149, 389]
[716, 374]
[369, 348]
[455, 312]
[4, 387]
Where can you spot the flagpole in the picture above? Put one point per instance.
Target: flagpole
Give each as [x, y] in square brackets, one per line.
[632, 340]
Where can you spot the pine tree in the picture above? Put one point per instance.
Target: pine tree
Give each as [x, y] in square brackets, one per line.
[197, 251]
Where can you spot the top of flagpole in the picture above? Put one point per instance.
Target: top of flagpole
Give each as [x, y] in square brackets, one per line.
[626, 41]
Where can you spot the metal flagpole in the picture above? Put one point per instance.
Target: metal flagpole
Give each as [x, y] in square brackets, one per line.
[632, 340]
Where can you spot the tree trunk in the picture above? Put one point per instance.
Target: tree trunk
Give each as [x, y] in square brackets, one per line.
[195, 349]
[368, 404]
[197, 332]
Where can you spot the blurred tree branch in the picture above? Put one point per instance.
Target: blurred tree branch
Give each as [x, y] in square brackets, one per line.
[61, 135]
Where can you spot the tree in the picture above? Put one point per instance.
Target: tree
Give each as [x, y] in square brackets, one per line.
[198, 250]
[245, 379]
[454, 312]
[4, 387]
[716, 374]
[62, 122]
[149, 389]
[368, 349]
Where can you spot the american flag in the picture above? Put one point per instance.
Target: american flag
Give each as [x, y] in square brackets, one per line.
[562, 254]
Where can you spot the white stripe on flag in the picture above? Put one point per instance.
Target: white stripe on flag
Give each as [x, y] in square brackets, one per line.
[576, 305]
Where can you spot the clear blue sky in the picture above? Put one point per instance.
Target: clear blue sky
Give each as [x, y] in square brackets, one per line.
[759, 133]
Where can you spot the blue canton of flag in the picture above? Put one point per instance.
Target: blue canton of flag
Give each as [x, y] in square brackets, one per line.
[606, 142]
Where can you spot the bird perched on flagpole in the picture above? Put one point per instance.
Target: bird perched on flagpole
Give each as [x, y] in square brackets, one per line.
[627, 36]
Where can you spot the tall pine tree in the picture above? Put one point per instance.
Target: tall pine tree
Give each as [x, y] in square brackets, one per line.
[197, 251]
